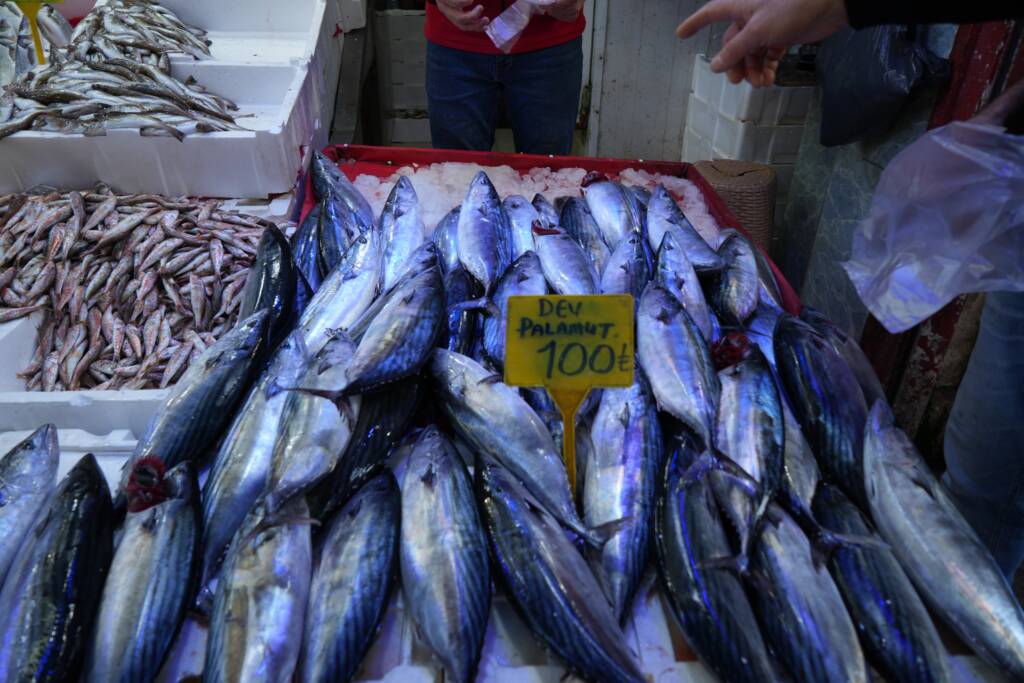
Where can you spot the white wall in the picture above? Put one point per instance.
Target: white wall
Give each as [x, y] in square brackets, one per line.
[640, 77]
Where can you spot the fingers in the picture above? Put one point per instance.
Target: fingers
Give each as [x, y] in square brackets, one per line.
[716, 10]
[745, 42]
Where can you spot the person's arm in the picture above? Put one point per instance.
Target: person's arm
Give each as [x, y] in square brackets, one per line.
[463, 14]
[762, 30]
[863, 13]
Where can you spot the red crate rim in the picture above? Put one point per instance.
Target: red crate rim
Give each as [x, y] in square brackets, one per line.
[356, 160]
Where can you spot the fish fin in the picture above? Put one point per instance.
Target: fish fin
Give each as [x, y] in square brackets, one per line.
[481, 304]
[491, 379]
[700, 467]
[273, 389]
[825, 542]
[598, 535]
[202, 608]
[737, 564]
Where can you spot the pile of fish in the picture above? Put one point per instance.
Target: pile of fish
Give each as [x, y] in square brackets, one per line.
[366, 445]
[17, 54]
[131, 288]
[116, 73]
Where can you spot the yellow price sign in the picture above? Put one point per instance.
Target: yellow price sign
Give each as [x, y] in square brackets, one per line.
[569, 345]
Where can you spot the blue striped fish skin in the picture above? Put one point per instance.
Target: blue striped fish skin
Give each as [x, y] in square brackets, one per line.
[258, 610]
[663, 216]
[401, 230]
[28, 477]
[330, 182]
[483, 234]
[549, 581]
[203, 402]
[801, 612]
[619, 487]
[545, 210]
[826, 401]
[896, 631]
[306, 250]
[523, 277]
[709, 604]
[352, 582]
[52, 592]
[401, 337]
[575, 218]
[950, 566]
[445, 238]
[152, 578]
[463, 324]
[737, 288]
[239, 470]
[271, 284]
[445, 573]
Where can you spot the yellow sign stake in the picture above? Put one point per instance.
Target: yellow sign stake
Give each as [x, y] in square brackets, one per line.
[31, 10]
[569, 345]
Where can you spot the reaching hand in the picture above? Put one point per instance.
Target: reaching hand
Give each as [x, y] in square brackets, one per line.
[762, 31]
[565, 10]
[459, 13]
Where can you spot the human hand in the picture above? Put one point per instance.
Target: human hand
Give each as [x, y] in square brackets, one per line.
[459, 13]
[762, 31]
[564, 10]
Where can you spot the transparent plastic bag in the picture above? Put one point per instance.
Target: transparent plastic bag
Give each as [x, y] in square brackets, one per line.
[506, 28]
[947, 219]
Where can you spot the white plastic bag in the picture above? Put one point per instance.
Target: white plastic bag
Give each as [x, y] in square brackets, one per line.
[947, 219]
[506, 28]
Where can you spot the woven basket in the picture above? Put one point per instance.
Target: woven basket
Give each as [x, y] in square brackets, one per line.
[748, 189]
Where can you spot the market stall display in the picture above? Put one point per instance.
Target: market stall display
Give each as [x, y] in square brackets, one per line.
[224, 102]
[714, 460]
[129, 289]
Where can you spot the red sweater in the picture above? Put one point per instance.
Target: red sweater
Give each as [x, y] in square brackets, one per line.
[543, 31]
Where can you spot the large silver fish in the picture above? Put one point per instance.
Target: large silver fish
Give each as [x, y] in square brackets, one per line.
[446, 239]
[401, 227]
[612, 210]
[482, 236]
[674, 272]
[28, 477]
[566, 266]
[444, 562]
[750, 430]
[826, 400]
[896, 630]
[550, 581]
[399, 339]
[330, 181]
[626, 271]
[351, 582]
[313, 430]
[260, 604]
[151, 579]
[200, 406]
[678, 363]
[52, 591]
[800, 609]
[521, 217]
[664, 216]
[710, 605]
[238, 474]
[524, 277]
[575, 219]
[494, 419]
[851, 352]
[346, 293]
[950, 566]
[737, 288]
[619, 486]
[545, 210]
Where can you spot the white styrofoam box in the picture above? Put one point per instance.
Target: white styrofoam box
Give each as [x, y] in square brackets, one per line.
[275, 106]
[95, 412]
[406, 131]
[695, 147]
[772, 106]
[401, 52]
[734, 139]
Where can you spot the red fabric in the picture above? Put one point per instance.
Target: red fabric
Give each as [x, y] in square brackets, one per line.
[542, 31]
[356, 160]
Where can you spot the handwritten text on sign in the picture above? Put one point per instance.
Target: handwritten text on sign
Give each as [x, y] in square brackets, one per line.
[570, 342]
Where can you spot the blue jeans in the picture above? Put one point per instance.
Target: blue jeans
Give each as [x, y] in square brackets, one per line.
[541, 91]
[984, 441]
